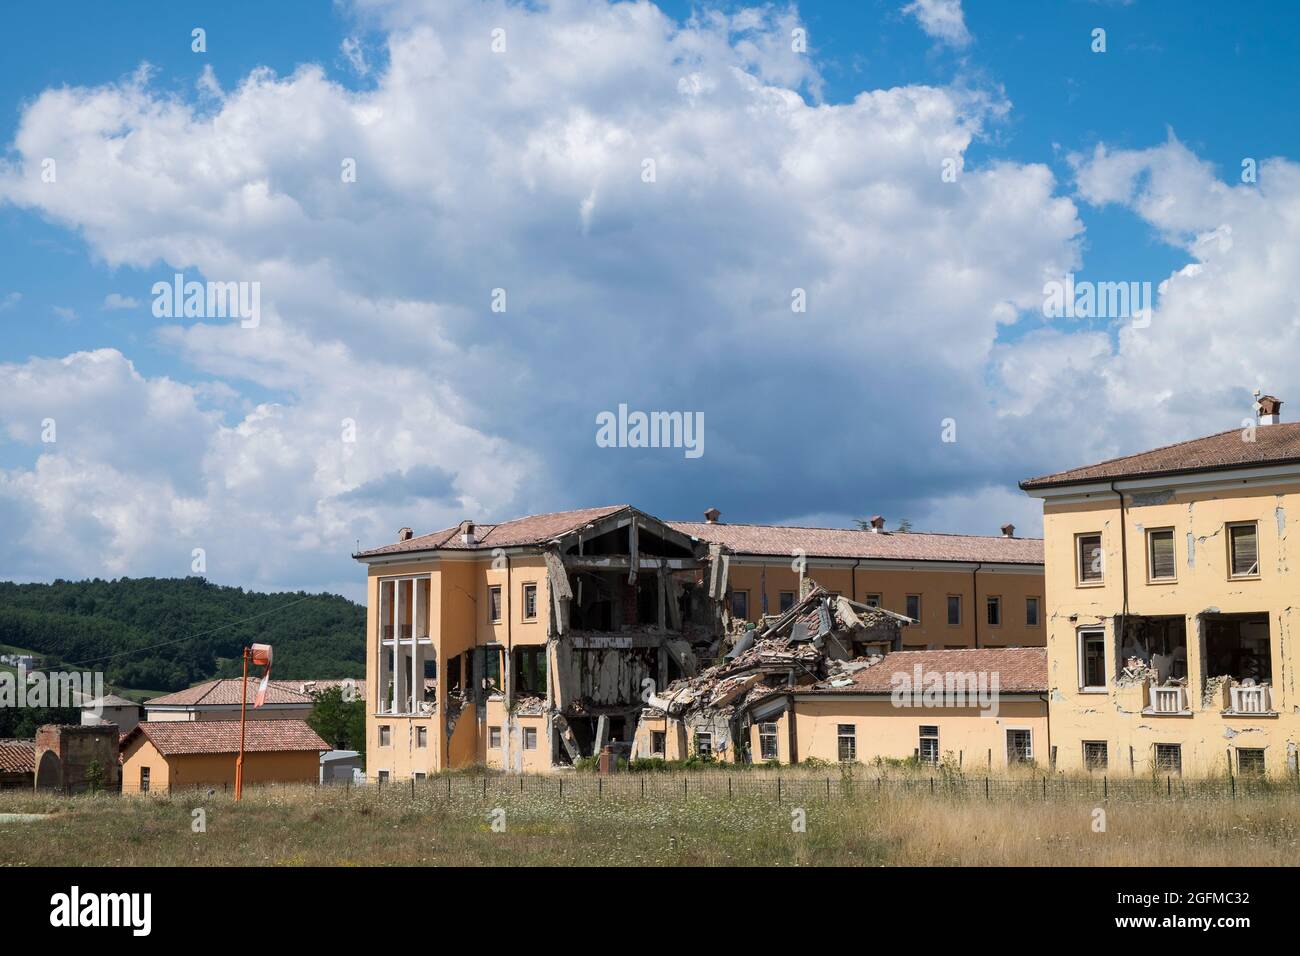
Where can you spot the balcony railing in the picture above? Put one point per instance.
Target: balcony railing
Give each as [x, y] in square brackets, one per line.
[1251, 700]
[1168, 700]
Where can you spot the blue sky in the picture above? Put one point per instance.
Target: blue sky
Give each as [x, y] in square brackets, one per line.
[519, 170]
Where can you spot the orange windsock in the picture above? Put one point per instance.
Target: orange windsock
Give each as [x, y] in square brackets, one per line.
[262, 655]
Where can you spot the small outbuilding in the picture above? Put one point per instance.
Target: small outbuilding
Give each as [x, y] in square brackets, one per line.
[175, 754]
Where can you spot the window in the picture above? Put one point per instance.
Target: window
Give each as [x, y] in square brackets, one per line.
[383, 776]
[848, 740]
[767, 740]
[1250, 761]
[494, 738]
[786, 601]
[740, 605]
[994, 606]
[1238, 645]
[1169, 758]
[1092, 660]
[914, 607]
[530, 670]
[418, 775]
[1243, 548]
[1160, 555]
[873, 600]
[1031, 612]
[494, 603]
[421, 736]
[658, 742]
[530, 602]
[704, 743]
[1095, 756]
[385, 735]
[144, 779]
[1089, 558]
[928, 751]
[1020, 745]
[954, 609]
[530, 738]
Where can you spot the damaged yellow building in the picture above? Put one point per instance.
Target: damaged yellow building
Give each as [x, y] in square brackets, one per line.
[529, 644]
[1172, 603]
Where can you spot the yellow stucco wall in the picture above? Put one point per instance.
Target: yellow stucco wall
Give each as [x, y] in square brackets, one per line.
[460, 620]
[213, 770]
[933, 586]
[966, 739]
[1208, 738]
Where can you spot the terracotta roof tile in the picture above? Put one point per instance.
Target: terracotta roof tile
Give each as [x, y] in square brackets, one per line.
[17, 756]
[226, 691]
[1273, 445]
[534, 529]
[851, 543]
[1020, 670]
[173, 737]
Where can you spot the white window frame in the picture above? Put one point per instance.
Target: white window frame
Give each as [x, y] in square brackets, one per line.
[1079, 579]
[907, 598]
[523, 601]
[851, 737]
[1007, 743]
[921, 738]
[1086, 688]
[406, 694]
[1228, 526]
[774, 735]
[1151, 561]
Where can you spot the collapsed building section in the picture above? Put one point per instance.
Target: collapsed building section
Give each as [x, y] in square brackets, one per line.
[824, 637]
[635, 606]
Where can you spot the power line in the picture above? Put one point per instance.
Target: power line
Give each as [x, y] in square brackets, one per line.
[191, 637]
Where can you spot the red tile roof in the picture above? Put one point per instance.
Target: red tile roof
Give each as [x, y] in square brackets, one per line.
[1020, 670]
[1273, 445]
[173, 737]
[226, 691]
[17, 756]
[534, 529]
[849, 543]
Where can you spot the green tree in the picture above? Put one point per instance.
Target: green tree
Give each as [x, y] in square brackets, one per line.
[341, 723]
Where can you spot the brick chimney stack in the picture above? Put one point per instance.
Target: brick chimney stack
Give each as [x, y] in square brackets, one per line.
[1269, 409]
[877, 524]
[712, 515]
[404, 534]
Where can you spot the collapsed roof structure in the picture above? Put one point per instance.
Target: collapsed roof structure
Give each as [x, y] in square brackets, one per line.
[824, 637]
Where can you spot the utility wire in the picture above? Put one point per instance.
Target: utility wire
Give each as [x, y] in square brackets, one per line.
[191, 637]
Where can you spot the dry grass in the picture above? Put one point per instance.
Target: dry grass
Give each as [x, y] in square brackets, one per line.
[288, 826]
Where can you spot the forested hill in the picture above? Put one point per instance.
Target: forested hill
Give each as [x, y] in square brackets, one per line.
[169, 633]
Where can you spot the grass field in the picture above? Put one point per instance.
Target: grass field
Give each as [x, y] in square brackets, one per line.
[671, 825]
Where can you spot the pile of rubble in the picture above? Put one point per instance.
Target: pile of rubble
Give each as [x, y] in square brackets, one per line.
[824, 638]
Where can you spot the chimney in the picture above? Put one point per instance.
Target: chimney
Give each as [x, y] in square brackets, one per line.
[712, 515]
[877, 524]
[467, 532]
[1269, 409]
[1008, 531]
[404, 534]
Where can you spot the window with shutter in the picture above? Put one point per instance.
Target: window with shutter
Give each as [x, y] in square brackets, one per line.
[1090, 559]
[1244, 547]
[1160, 555]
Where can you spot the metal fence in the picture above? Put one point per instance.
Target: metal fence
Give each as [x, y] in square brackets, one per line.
[803, 788]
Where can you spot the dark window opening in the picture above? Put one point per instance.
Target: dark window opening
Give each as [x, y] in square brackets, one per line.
[530, 671]
[1159, 642]
[1238, 646]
